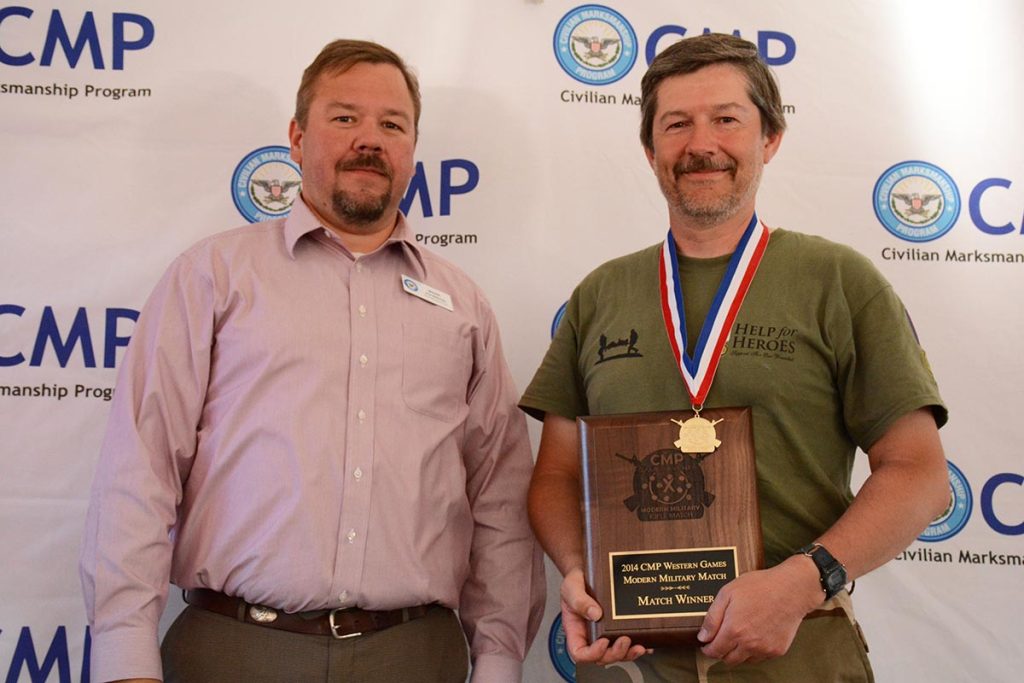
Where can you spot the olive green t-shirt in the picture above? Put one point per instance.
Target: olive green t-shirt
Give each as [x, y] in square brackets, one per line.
[822, 351]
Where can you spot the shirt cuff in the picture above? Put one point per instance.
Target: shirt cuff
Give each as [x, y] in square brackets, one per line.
[125, 653]
[496, 669]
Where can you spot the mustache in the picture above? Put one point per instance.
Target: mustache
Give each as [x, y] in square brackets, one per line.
[365, 162]
[698, 164]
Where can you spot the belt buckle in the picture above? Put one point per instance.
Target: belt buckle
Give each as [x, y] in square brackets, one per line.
[334, 627]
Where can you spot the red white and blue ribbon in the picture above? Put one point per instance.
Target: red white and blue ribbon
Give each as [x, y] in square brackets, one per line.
[699, 371]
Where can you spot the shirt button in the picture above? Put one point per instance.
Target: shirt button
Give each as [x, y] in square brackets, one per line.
[361, 415]
[362, 310]
[363, 360]
[344, 596]
[359, 267]
[358, 474]
[351, 535]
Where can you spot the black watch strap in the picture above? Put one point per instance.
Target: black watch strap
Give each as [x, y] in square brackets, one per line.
[831, 571]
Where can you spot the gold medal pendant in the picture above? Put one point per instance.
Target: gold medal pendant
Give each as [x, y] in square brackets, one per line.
[697, 435]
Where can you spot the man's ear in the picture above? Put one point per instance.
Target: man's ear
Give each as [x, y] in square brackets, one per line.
[771, 145]
[295, 134]
[649, 153]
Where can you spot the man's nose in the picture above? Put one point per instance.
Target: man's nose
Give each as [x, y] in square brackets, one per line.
[703, 139]
[367, 138]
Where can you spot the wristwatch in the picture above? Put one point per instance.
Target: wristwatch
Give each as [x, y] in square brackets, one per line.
[833, 573]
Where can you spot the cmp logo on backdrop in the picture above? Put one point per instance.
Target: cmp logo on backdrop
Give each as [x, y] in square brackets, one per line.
[265, 184]
[916, 201]
[952, 521]
[595, 44]
[73, 33]
[558, 318]
[560, 658]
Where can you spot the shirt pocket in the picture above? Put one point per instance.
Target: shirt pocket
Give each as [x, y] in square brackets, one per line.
[436, 365]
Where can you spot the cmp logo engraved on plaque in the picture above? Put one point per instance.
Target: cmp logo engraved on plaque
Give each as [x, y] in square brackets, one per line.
[667, 485]
[670, 484]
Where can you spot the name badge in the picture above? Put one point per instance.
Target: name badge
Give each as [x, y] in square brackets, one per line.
[427, 293]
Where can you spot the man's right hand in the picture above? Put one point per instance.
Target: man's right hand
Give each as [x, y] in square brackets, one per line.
[578, 608]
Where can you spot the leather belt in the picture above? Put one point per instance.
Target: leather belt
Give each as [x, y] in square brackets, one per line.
[340, 623]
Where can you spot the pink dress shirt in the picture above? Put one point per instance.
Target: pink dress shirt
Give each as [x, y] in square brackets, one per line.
[291, 427]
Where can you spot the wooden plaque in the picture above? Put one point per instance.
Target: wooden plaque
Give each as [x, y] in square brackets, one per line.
[665, 529]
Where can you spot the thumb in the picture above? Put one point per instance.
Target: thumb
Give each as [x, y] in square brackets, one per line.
[574, 594]
[712, 622]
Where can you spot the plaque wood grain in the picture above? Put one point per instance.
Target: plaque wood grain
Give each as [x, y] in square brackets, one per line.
[731, 519]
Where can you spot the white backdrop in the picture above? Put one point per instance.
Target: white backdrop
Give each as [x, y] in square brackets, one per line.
[123, 123]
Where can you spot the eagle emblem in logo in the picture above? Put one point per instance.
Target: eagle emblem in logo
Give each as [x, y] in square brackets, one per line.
[592, 51]
[914, 208]
[274, 194]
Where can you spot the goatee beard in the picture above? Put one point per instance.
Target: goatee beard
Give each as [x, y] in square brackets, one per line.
[356, 210]
[706, 212]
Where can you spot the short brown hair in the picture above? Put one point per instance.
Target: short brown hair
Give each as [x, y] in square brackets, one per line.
[340, 56]
[692, 54]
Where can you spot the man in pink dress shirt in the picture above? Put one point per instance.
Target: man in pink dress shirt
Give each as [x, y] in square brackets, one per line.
[314, 434]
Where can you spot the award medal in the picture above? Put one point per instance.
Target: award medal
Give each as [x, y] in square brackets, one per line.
[698, 371]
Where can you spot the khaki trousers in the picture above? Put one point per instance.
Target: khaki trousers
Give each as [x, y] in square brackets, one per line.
[203, 647]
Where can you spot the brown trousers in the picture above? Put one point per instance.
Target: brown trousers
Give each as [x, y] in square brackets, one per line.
[203, 647]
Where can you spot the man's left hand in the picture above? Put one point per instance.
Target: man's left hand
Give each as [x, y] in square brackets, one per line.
[755, 616]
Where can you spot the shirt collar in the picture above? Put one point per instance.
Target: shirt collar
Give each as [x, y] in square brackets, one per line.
[301, 222]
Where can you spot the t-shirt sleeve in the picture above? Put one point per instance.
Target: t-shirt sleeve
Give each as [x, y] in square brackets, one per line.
[557, 386]
[883, 371]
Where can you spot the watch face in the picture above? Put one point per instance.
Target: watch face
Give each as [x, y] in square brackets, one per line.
[834, 581]
[833, 574]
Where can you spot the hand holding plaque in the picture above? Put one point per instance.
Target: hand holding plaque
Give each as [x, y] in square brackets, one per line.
[670, 516]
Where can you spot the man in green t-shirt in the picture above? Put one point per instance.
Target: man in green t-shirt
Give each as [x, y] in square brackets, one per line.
[805, 332]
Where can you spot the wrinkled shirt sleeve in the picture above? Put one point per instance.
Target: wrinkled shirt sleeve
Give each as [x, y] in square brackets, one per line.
[144, 462]
[502, 601]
